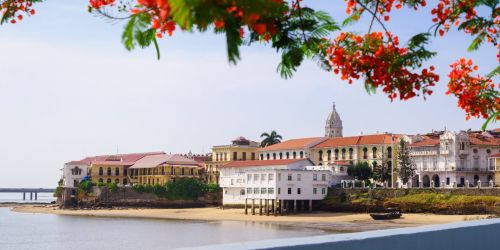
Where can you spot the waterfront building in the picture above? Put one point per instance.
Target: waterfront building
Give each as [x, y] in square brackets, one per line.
[74, 172]
[449, 159]
[240, 149]
[233, 176]
[114, 168]
[160, 169]
[290, 149]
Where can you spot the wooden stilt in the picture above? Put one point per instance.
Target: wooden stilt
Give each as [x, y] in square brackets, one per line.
[294, 206]
[267, 207]
[310, 205]
[260, 207]
[246, 206]
[253, 206]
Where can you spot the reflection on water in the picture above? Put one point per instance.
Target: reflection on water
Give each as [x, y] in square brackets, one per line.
[18, 197]
[45, 231]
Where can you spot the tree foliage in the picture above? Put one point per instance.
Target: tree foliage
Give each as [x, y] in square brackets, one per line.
[381, 172]
[298, 32]
[361, 171]
[406, 166]
[270, 138]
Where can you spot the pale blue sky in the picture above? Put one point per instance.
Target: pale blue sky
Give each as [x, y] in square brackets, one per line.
[68, 89]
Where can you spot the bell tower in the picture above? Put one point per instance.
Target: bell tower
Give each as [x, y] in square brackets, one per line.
[333, 126]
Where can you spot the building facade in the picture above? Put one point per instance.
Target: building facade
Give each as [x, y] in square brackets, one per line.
[291, 149]
[74, 172]
[160, 169]
[233, 176]
[448, 159]
[240, 149]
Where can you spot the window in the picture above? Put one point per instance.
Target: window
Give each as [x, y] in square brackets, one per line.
[323, 177]
[256, 190]
[263, 177]
[117, 181]
[301, 154]
[279, 190]
[109, 171]
[289, 190]
[261, 157]
[329, 155]
[256, 177]
[374, 152]
[101, 180]
[253, 156]
[298, 190]
[244, 156]
[299, 177]
[323, 191]
[320, 155]
[488, 151]
[249, 190]
[350, 153]
[217, 157]
[182, 171]
[172, 171]
[225, 156]
[279, 176]
[270, 190]
[249, 177]
[274, 156]
[108, 180]
[117, 171]
[475, 151]
[289, 177]
[271, 177]
[365, 153]
[315, 177]
[315, 190]
[100, 172]
[263, 190]
[336, 154]
[288, 155]
[343, 154]
[242, 191]
[389, 152]
[294, 155]
[281, 156]
[235, 156]
[268, 157]
[124, 181]
[191, 171]
[462, 146]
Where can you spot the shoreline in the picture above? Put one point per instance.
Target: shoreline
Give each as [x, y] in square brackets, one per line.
[325, 221]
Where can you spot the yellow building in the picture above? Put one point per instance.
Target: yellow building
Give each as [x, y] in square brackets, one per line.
[113, 168]
[240, 149]
[160, 169]
[494, 165]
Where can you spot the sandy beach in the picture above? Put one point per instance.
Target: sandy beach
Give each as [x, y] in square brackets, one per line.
[336, 222]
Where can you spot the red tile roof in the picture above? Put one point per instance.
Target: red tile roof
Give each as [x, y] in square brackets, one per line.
[118, 157]
[427, 141]
[359, 140]
[152, 161]
[299, 143]
[76, 163]
[479, 139]
[261, 163]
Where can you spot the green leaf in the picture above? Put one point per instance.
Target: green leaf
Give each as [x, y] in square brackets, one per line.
[478, 40]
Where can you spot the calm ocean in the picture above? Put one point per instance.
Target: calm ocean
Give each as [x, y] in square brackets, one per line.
[46, 231]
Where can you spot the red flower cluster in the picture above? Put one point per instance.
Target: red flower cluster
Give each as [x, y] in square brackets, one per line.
[97, 4]
[476, 95]
[159, 10]
[448, 12]
[383, 7]
[378, 58]
[14, 10]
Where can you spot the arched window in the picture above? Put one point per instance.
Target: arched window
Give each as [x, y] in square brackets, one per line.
[350, 153]
[374, 152]
[268, 156]
[343, 154]
[182, 171]
[100, 180]
[108, 180]
[329, 155]
[320, 155]
[336, 154]
[109, 171]
[261, 157]
[274, 156]
[117, 181]
[301, 154]
[101, 171]
[117, 171]
[389, 152]
[191, 171]
[294, 155]
[365, 153]
[288, 155]
[281, 156]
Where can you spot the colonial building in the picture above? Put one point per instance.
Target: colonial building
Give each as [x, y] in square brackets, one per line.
[240, 149]
[74, 172]
[333, 126]
[114, 168]
[447, 158]
[290, 149]
[160, 169]
[233, 176]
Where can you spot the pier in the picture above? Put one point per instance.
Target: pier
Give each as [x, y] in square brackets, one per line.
[31, 191]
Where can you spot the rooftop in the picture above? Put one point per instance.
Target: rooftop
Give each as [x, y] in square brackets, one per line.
[359, 140]
[258, 163]
[299, 143]
[152, 161]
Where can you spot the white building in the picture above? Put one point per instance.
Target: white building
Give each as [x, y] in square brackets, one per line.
[74, 172]
[281, 180]
[338, 172]
[451, 159]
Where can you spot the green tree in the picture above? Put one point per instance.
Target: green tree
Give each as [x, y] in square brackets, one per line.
[270, 139]
[406, 166]
[381, 172]
[361, 170]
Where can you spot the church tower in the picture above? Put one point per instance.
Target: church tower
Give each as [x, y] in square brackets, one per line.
[333, 126]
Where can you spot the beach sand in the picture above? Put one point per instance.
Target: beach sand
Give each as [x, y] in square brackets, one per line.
[333, 222]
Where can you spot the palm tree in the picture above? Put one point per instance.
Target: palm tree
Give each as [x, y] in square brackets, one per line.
[270, 139]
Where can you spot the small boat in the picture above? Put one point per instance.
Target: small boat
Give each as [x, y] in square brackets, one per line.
[391, 214]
